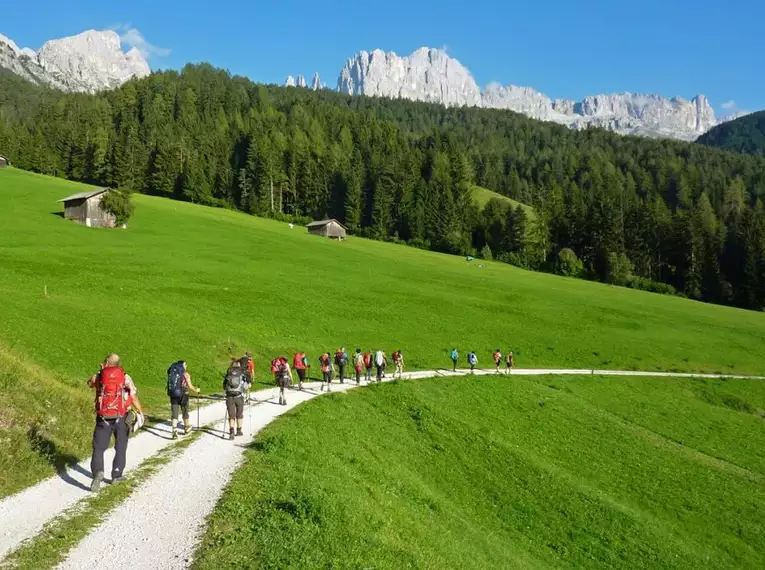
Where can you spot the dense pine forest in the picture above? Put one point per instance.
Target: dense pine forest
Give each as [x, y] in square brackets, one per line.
[661, 215]
[745, 134]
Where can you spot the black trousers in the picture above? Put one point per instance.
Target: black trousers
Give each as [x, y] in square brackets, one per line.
[342, 372]
[102, 435]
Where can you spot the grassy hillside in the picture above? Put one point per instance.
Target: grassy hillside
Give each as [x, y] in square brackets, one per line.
[745, 134]
[185, 281]
[503, 472]
[481, 196]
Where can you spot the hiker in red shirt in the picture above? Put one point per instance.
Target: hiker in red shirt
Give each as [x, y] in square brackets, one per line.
[115, 393]
[300, 363]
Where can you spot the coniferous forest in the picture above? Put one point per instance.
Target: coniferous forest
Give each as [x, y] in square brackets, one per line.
[661, 215]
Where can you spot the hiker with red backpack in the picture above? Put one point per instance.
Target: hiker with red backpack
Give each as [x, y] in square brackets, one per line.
[300, 363]
[368, 364]
[326, 371]
[398, 360]
[115, 393]
[341, 358]
[497, 356]
[178, 386]
[282, 376]
[358, 365]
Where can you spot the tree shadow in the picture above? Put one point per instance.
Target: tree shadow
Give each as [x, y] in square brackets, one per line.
[61, 461]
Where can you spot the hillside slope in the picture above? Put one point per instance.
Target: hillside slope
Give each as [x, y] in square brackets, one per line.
[745, 134]
[186, 281]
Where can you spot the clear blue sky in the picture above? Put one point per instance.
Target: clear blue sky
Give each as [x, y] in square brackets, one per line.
[564, 48]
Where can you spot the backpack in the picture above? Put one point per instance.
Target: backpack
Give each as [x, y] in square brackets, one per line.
[339, 358]
[324, 360]
[175, 377]
[234, 383]
[111, 401]
[454, 355]
[299, 361]
[396, 356]
[368, 359]
[379, 359]
[279, 365]
[472, 358]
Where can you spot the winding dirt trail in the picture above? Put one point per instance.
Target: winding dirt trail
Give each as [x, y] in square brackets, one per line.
[165, 533]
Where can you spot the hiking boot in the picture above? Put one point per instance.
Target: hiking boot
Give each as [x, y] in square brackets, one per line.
[187, 430]
[175, 434]
[231, 435]
[120, 479]
[284, 402]
[95, 484]
[239, 432]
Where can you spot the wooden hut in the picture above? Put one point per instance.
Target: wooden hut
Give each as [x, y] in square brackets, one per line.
[4, 161]
[85, 208]
[327, 228]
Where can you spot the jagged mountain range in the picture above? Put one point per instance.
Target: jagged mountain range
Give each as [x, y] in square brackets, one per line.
[94, 61]
[88, 62]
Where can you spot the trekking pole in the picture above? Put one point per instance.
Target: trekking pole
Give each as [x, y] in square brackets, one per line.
[197, 411]
[225, 422]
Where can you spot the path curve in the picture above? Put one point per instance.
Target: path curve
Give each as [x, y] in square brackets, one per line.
[169, 533]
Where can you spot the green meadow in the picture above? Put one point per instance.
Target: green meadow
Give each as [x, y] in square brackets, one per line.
[184, 281]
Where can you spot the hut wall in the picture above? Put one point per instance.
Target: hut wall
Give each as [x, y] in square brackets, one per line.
[76, 210]
[99, 217]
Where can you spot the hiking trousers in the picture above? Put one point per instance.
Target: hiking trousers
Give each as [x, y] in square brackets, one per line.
[342, 372]
[369, 375]
[358, 376]
[102, 435]
[379, 373]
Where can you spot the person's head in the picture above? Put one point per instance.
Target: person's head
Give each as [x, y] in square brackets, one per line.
[496, 350]
[511, 353]
[248, 354]
[236, 364]
[358, 351]
[112, 360]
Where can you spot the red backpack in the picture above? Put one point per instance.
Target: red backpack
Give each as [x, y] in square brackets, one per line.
[368, 359]
[111, 400]
[297, 362]
[278, 364]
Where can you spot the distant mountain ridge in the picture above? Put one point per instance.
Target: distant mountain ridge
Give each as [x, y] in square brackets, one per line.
[431, 75]
[88, 62]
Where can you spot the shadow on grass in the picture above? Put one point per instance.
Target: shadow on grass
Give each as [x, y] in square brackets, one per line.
[59, 460]
[59, 214]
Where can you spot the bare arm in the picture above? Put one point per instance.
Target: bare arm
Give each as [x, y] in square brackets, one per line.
[190, 385]
[137, 404]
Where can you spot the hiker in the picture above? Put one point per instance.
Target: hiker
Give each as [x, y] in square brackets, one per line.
[326, 371]
[455, 355]
[368, 363]
[235, 385]
[398, 360]
[248, 365]
[341, 357]
[380, 363]
[472, 361]
[282, 376]
[115, 392]
[300, 363]
[358, 365]
[497, 359]
[178, 386]
[509, 362]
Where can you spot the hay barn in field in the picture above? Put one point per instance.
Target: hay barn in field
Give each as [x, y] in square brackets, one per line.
[327, 228]
[85, 208]
[4, 161]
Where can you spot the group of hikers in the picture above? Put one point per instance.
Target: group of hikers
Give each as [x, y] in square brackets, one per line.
[119, 411]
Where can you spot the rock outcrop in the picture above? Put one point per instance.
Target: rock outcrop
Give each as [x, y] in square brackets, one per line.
[431, 75]
[88, 62]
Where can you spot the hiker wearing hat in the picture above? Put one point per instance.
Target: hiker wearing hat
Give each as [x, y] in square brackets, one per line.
[235, 385]
[115, 393]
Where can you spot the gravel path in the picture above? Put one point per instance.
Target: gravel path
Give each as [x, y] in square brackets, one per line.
[165, 533]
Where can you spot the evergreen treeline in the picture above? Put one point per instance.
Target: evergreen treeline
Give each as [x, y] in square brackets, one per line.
[661, 215]
[745, 134]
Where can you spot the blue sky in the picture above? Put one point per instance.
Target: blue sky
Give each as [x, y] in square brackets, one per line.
[564, 48]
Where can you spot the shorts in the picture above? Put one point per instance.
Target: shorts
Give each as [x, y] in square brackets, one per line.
[283, 381]
[235, 406]
[179, 404]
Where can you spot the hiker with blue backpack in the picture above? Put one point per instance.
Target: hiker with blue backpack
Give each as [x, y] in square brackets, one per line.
[472, 361]
[341, 359]
[178, 387]
[455, 356]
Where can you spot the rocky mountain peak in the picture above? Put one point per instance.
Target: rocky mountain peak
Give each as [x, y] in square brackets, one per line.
[90, 61]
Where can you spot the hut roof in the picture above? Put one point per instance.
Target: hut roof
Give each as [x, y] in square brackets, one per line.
[324, 223]
[84, 195]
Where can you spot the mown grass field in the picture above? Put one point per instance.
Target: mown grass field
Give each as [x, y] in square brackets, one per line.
[504, 472]
[184, 281]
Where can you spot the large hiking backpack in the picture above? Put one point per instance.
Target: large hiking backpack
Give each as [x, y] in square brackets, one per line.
[175, 375]
[339, 358]
[368, 359]
[397, 356]
[234, 384]
[454, 355]
[379, 359]
[472, 359]
[298, 362]
[111, 400]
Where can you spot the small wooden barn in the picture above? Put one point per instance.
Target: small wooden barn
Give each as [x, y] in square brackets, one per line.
[4, 161]
[327, 228]
[85, 208]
